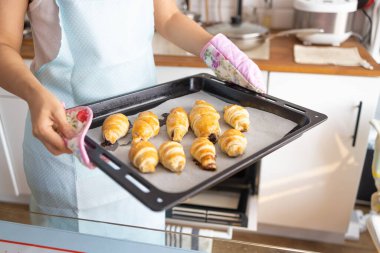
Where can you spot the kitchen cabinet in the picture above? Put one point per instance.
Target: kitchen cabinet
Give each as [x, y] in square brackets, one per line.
[13, 186]
[7, 191]
[308, 187]
[13, 113]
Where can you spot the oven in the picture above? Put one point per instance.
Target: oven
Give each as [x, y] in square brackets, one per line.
[229, 203]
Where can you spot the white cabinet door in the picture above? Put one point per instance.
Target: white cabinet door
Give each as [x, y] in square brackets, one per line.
[312, 182]
[13, 113]
[13, 186]
[8, 190]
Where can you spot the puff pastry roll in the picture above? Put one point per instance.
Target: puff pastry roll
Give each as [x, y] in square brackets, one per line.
[204, 120]
[145, 126]
[177, 124]
[172, 156]
[143, 155]
[203, 151]
[233, 142]
[237, 117]
[115, 127]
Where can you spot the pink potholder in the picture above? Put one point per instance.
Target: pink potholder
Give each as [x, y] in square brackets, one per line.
[231, 64]
[80, 119]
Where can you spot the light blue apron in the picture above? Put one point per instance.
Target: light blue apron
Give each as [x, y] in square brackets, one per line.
[105, 51]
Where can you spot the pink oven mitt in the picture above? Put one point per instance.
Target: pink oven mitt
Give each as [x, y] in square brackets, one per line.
[80, 119]
[231, 64]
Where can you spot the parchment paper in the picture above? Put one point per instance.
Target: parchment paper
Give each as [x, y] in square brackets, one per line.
[265, 129]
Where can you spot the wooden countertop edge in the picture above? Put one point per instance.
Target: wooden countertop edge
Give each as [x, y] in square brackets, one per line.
[281, 60]
[189, 61]
[319, 69]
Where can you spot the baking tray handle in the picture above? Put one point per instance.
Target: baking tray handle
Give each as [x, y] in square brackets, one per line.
[136, 185]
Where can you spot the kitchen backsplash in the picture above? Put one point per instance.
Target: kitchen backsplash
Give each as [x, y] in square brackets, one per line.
[277, 14]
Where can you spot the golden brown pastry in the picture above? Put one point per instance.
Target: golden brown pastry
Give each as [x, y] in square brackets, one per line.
[172, 156]
[233, 142]
[145, 126]
[237, 117]
[203, 151]
[115, 127]
[143, 155]
[177, 124]
[204, 120]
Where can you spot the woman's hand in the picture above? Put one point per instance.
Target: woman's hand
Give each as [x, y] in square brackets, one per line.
[231, 64]
[49, 121]
[48, 114]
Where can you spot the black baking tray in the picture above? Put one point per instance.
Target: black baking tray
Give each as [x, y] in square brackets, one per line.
[138, 101]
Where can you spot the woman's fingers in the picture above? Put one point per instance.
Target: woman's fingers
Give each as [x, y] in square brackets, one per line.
[50, 138]
[54, 142]
[52, 149]
[49, 122]
[62, 125]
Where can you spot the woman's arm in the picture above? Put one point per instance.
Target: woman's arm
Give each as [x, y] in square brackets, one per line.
[177, 28]
[226, 60]
[46, 111]
[14, 75]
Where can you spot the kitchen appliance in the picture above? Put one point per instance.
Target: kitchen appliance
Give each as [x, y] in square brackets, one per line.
[333, 16]
[152, 189]
[227, 203]
[185, 8]
[374, 48]
[246, 35]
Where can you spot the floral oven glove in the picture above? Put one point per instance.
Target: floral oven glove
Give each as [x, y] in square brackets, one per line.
[80, 119]
[229, 63]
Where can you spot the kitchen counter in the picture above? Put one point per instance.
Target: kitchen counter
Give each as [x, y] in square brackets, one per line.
[281, 59]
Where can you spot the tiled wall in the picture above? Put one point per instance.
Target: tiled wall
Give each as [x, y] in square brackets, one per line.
[279, 16]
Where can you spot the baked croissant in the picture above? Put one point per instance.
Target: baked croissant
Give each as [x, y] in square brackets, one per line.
[233, 142]
[237, 117]
[203, 151]
[145, 126]
[172, 156]
[177, 124]
[115, 127]
[143, 155]
[204, 120]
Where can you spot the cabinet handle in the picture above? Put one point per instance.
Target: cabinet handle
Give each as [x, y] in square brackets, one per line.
[8, 158]
[359, 106]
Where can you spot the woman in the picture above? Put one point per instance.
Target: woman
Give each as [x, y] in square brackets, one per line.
[85, 51]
